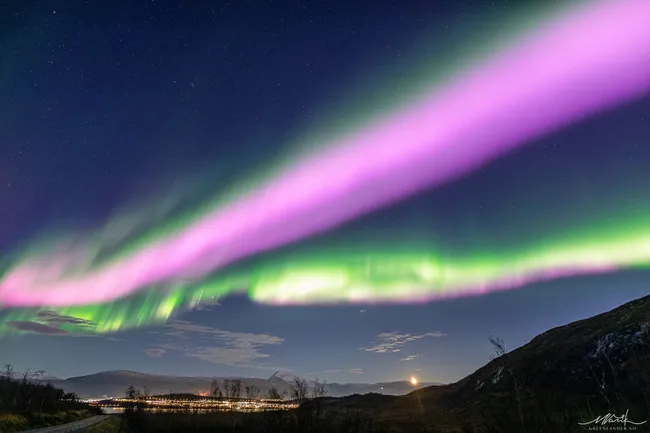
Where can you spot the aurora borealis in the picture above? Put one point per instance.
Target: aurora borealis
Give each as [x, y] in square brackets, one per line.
[373, 277]
[543, 80]
[372, 171]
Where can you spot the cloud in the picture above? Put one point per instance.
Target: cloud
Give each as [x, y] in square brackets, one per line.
[204, 305]
[392, 341]
[343, 371]
[35, 327]
[409, 358]
[155, 353]
[55, 319]
[217, 346]
[52, 323]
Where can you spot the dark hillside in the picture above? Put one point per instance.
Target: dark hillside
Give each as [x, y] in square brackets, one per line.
[570, 374]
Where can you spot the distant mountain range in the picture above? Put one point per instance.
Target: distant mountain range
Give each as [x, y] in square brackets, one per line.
[114, 383]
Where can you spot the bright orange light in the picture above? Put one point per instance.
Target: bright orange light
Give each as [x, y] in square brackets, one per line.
[414, 381]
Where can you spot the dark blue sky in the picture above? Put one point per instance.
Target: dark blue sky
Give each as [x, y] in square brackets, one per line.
[111, 103]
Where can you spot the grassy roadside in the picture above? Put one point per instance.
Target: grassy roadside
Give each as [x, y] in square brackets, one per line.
[109, 425]
[10, 422]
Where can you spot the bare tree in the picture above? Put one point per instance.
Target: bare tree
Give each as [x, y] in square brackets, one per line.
[235, 388]
[251, 392]
[215, 389]
[8, 372]
[500, 350]
[299, 390]
[274, 394]
[226, 387]
[27, 376]
[26, 391]
[319, 389]
[131, 393]
[8, 375]
[146, 392]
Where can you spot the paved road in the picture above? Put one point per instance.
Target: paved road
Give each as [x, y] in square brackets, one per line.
[72, 426]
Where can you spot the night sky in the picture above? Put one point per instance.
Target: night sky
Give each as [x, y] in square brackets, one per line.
[157, 107]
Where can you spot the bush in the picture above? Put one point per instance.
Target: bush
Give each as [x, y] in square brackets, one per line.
[11, 422]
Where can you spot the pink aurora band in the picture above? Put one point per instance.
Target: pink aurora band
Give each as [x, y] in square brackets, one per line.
[589, 59]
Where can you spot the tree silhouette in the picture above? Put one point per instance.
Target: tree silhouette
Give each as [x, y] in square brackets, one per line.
[131, 393]
[319, 389]
[235, 388]
[274, 394]
[251, 392]
[215, 389]
[8, 372]
[226, 388]
[28, 394]
[500, 351]
[299, 390]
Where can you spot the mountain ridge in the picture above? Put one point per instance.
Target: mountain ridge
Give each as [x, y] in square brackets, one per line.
[113, 383]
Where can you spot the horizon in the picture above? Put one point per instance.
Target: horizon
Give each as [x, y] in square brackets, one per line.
[50, 377]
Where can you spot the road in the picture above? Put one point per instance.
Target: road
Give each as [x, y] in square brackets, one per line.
[70, 427]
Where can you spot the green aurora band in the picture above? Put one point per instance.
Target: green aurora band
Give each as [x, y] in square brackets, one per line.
[371, 277]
